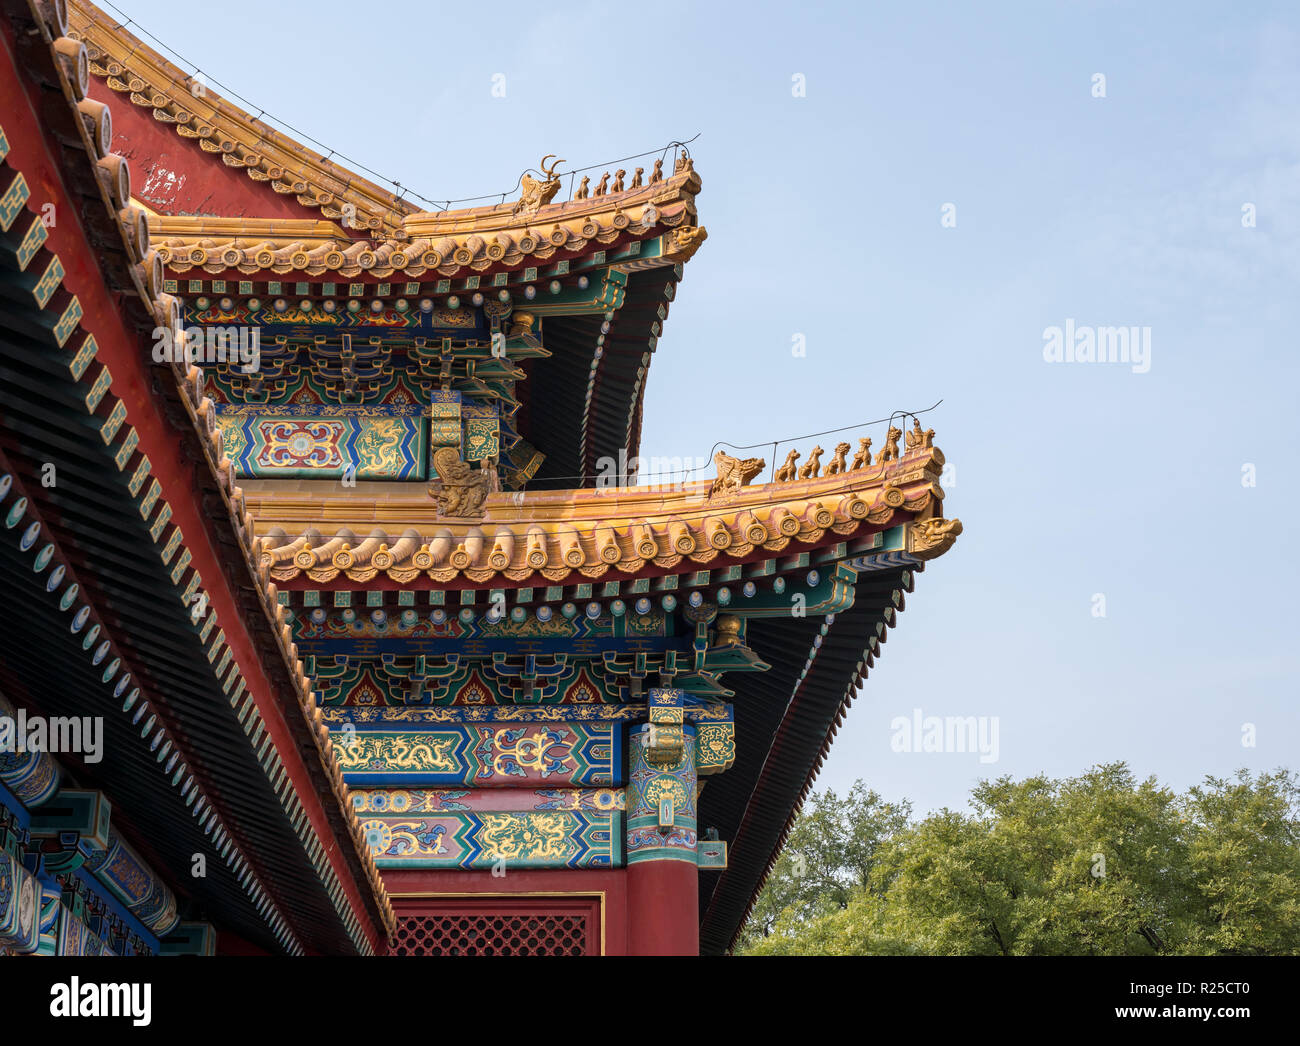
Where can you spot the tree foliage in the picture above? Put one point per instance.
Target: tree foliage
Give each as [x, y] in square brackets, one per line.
[1099, 864]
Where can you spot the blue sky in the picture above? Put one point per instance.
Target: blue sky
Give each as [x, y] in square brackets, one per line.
[823, 212]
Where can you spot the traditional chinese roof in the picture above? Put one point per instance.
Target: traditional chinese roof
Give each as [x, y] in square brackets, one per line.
[453, 243]
[231, 203]
[232, 757]
[312, 534]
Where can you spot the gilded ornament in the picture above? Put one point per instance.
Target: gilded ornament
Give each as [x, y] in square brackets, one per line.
[680, 244]
[928, 538]
[890, 453]
[812, 468]
[918, 440]
[536, 193]
[461, 489]
[728, 630]
[788, 471]
[862, 459]
[838, 464]
[734, 473]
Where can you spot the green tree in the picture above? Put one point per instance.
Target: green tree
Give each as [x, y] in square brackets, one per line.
[1099, 864]
[830, 852]
[1245, 862]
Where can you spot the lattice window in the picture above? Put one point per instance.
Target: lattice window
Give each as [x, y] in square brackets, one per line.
[492, 933]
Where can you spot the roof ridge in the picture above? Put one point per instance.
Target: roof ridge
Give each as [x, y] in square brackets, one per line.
[131, 67]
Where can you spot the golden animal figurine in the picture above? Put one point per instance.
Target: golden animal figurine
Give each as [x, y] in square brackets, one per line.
[636, 178]
[583, 192]
[812, 468]
[682, 242]
[657, 175]
[602, 187]
[536, 194]
[461, 490]
[618, 181]
[928, 538]
[890, 453]
[734, 473]
[838, 464]
[862, 459]
[918, 440]
[788, 471]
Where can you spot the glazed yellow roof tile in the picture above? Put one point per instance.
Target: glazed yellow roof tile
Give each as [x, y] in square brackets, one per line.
[442, 243]
[310, 528]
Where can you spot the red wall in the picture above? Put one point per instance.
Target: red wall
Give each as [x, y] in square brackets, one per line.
[173, 175]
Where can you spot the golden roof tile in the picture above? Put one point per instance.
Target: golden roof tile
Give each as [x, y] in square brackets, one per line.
[572, 536]
[444, 243]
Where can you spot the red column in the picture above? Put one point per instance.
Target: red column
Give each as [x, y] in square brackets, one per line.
[663, 908]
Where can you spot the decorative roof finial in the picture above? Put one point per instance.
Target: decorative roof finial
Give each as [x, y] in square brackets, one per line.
[535, 193]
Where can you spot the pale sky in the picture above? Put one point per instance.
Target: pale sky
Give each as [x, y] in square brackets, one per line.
[824, 215]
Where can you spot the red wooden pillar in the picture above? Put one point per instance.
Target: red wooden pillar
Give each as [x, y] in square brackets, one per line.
[662, 875]
[663, 908]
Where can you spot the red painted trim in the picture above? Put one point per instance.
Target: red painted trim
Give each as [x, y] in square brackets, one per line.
[127, 354]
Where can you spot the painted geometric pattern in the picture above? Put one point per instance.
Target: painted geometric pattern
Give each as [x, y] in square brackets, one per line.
[291, 445]
[487, 756]
[485, 932]
[415, 718]
[76, 938]
[32, 776]
[521, 839]
[442, 800]
[125, 874]
[715, 747]
[405, 680]
[51, 912]
[294, 388]
[288, 319]
[19, 906]
[323, 625]
[648, 786]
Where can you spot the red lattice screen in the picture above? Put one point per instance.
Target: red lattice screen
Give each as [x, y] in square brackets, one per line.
[498, 927]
